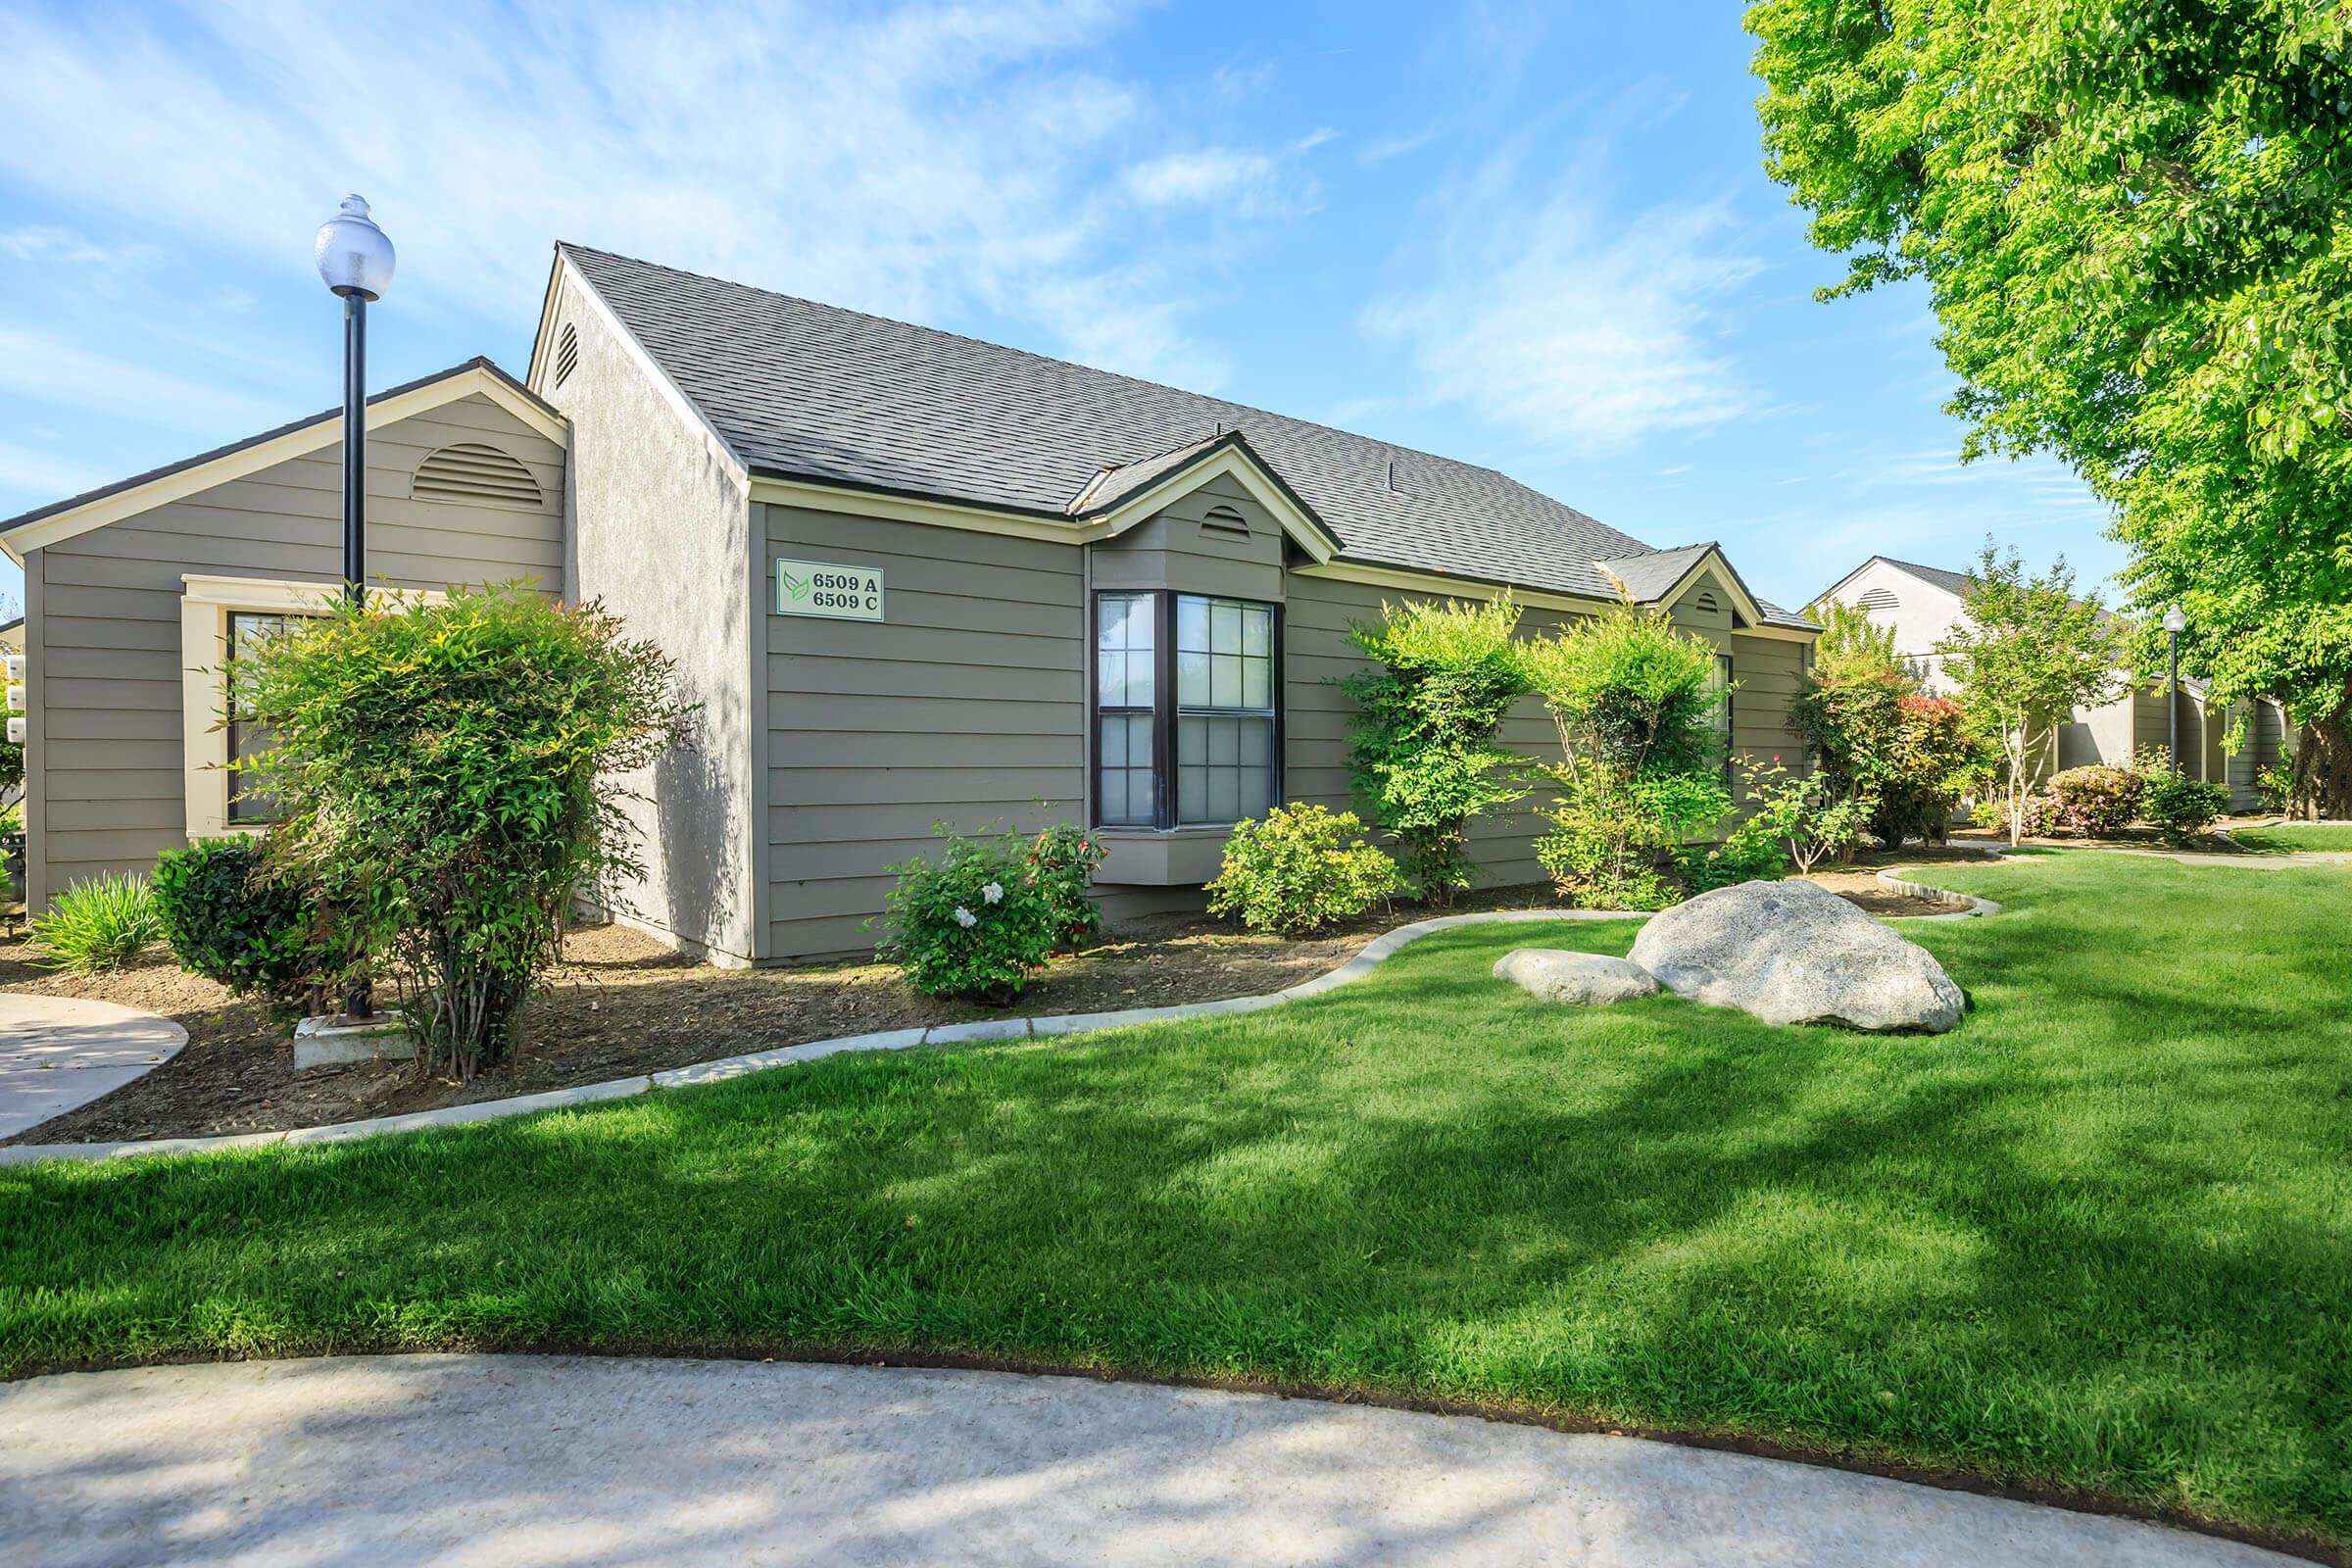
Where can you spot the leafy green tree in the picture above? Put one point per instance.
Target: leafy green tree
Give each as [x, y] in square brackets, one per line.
[2134, 218]
[2025, 654]
[447, 773]
[1422, 751]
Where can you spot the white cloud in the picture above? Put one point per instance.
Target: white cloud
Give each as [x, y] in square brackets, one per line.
[1378, 151]
[922, 161]
[1568, 325]
[36, 475]
[50, 370]
[1196, 176]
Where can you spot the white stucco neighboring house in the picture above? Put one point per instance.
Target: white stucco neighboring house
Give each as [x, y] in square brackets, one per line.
[1926, 604]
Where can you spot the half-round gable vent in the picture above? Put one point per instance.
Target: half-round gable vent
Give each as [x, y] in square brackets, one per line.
[1706, 600]
[1224, 519]
[472, 471]
[567, 352]
[1879, 601]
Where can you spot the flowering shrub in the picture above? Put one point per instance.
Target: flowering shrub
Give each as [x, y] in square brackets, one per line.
[975, 922]
[1061, 864]
[1300, 869]
[2099, 799]
[1932, 759]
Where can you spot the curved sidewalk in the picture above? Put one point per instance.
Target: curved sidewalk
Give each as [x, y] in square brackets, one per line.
[57, 1053]
[534, 1462]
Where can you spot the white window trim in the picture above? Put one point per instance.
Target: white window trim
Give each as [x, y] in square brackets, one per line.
[205, 606]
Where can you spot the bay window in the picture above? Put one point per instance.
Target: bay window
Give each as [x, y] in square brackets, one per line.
[1187, 723]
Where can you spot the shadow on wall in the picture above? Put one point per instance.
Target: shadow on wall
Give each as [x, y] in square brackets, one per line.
[691, 831]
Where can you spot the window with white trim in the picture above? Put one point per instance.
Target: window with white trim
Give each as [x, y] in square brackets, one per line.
[252, 802]
[1187, 719]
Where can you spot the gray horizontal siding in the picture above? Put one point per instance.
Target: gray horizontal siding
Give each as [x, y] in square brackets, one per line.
[105, 653]
[965, 705]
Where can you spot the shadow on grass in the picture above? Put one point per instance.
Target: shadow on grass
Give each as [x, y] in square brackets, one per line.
[2089, 1239]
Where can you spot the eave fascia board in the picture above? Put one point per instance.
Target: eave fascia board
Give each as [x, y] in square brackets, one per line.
[1747, 602]
[672, 393]
[197, 477]
[1237, 461]
[531, 376]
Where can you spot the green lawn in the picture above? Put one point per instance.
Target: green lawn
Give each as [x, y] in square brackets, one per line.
[2099, 1236]
[2296, 836]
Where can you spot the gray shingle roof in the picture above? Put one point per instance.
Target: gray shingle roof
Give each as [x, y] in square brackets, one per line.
[1958, 582]
[810, 391]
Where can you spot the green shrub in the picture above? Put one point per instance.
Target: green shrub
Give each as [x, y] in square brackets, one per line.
[1421, 752]
[1803, 816]
[2277, 782]
[2100, 799]
[971, 923]
[1061, 864]
[446, 769]
[232, 917]
[1635, 703]
[1298, 869]
[101, 924]
[2181, 808]
[1753, 852]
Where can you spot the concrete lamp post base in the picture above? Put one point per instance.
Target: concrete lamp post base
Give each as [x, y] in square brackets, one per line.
[337, 1041]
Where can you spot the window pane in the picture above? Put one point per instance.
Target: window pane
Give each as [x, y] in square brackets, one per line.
[1257, 683]
[1191, 624]
[1257, 630]
[1192, 680]
[1123, 643]
[1224, 681]
[251, 797]
[1224, 626]
[1225, 768]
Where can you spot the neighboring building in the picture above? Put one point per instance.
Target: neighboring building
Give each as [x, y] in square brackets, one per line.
[1926, 604]
[911, 578]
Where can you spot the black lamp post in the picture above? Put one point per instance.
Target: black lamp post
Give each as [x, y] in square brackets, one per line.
[2175, 623]
[355, 260]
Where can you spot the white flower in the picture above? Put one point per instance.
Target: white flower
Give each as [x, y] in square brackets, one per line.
[965, 918]
[993, 893]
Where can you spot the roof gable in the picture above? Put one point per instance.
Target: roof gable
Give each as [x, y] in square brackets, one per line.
[144, 492]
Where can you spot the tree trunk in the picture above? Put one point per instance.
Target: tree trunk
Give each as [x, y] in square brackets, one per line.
[2323, 766]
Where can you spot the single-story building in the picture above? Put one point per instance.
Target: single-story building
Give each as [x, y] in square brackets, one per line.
[1925, 605]
[911, 577]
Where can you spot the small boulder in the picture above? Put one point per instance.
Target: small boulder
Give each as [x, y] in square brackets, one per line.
[1549, 974]
[1795, 952]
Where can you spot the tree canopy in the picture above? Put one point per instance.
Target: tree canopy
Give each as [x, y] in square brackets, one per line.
[2131, 218]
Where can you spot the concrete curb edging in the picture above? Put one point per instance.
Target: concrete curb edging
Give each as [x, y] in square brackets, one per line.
[979, 1030]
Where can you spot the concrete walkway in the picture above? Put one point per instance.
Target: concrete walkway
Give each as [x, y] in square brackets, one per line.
[57, 1053]
[523, 1461]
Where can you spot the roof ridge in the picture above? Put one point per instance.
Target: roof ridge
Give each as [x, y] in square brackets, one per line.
[1044, 359]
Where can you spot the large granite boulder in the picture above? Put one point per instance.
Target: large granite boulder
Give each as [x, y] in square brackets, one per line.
[1549, 974]
[1795, 952]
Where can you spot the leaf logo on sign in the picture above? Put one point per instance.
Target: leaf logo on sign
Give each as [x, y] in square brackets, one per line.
[797, 588]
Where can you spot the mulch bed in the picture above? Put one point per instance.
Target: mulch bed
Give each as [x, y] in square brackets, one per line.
[623, 1005]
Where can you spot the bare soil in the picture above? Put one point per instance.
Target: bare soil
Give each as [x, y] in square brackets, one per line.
[621, 1004]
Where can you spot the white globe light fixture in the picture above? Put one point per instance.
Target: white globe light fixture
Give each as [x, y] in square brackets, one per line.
[352, 254]
[355, 260]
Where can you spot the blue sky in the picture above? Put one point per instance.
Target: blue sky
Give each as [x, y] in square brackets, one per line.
[1532, 237]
